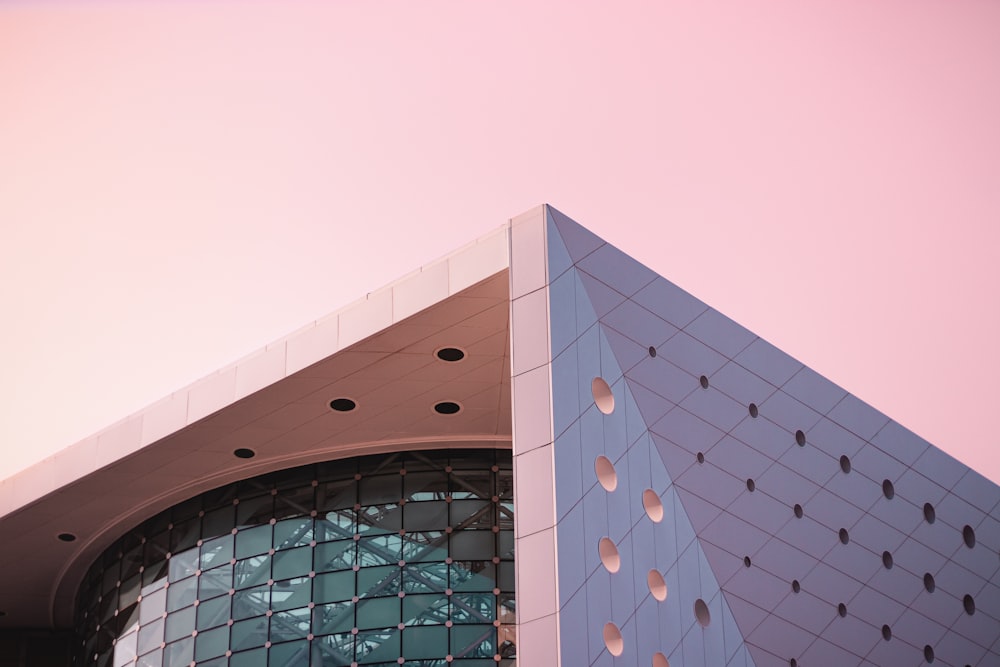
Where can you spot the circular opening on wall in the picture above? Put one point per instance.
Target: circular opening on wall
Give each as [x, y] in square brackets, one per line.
[886, 632]
[603, 397]
[703, 380]
[929, 582]
[800, 438]
[613, 639]
[796, 586]
[606, 474]
[450, 354]
[701, 613]
[970, 605]
[66, 537]
[844, 537]
[746, 561]
[609, 555]
[888, 490]
[798, 511]
[244, 453]
[652, 351]
[929, 514]
[969, 536]
[700, 457]
[845, 463]
[653, 506]
[842, 610]
[751, 486]
[660, 660]
[929, 653]
[753, 410]
[447, 408]
[342, 405]
[793, 663]
[887, 560]
[657, 585]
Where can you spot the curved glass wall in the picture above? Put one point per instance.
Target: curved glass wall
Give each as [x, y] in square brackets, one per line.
[401, 559]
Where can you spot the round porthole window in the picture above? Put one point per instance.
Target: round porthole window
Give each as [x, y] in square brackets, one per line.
[606, 474]
[701, 613]
[603, 396]
[609, 555]
[613, 639]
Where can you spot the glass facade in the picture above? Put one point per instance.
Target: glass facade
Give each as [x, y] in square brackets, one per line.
[399, 559]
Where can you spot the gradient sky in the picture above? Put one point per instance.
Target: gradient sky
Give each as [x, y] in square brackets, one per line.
[184, 182]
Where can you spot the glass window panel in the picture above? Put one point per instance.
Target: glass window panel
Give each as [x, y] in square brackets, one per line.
[251, 571]
[212, 613]
[380, 550]
[472, 607]
[219, 521]
[336, 495]
[292, 654]
[131, 562]
[253, 658]
[337, 617]
[185, 510]
[211, 643]
[505, 581]
[254, 511]
[472, 514]
[110, 580]
[181, 593]
[335, 649]
[218, 662]
[291, 533]
[378, 581]
[251, 602]
[380, 489]
[473, 641]
[478, 575]
[153, 605]
[179, 654]
[292, 563]
[428, 545]
[428, 641]
[336, 525]
[291, 593]
[505, 544]
[385, 518]
[216, 581]
[291, 624]
[150, 636]
[154, 659]
[185, 535]
[216, 552]
[294, 502]
[375, 647]
[183, 564]
[129, 591]
[253, 541]
[425, 578]
[425, 609]
[471, 484]
[179, 624]
[472, 545]
[420, 486]
[249, 633]
[334, 586]
[379, 613]
[334, 556]
[154, 573]
[125, 649]
[431, 515]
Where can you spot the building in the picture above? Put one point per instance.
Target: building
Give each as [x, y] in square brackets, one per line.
[676, 490]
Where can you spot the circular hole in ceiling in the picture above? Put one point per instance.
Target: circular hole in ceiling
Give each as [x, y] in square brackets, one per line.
[613, 639]
[660, 660]
[844, 537]
[929, 582]
[888, 490]
[653, 506]
[969, 536]
[800, 438]
[886, 632]
[652, 351]
[609, 555]
[970, 605]
[244, 453]
[753, 410]
[657, 585]
[603, 397]
[798, 511]
[66, 537]
[845, 463]
[796, 586]
[887, 560]
[447, 408]
[793, 663]
[703, 380]
[342, 405]
[929, 513]
[606, 474]
[751, 486]
[451, 354]
[700, 457]
[701, 613]
[747, 562]
[842, 610]
[929, 653]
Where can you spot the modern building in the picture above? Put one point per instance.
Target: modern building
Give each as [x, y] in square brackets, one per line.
[534, 451]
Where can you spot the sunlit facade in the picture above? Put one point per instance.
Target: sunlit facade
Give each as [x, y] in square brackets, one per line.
[535, 451]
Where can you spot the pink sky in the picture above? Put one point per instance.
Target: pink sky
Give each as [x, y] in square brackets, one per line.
[183, 182]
